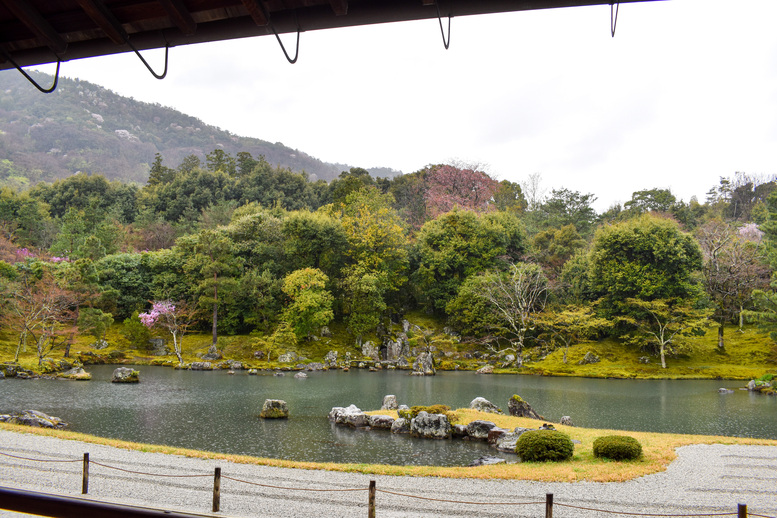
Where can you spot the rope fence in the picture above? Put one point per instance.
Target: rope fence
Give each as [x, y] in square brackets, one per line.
[372, 490]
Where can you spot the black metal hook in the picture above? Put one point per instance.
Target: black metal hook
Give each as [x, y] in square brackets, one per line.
[30, 79]
[283, 48]
[167, 51]
[439, 19]
[614, 17]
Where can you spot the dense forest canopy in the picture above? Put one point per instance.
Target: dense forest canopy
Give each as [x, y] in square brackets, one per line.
[247, 247]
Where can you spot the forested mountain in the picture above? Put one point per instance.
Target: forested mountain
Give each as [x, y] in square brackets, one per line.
[87, 128]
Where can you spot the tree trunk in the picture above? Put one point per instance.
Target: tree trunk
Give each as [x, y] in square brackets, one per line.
[663, 356]
[215, 310]
[721, 344]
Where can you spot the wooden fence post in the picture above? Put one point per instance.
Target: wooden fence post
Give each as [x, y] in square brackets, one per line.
[216, 490]
[371, 502]
[85, 480]
[742, 511]
[549, 505]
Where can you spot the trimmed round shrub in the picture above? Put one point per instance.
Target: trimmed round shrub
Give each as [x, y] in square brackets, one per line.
[544, 445]
[617, 447]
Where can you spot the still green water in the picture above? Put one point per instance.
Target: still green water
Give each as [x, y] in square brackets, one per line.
[218, 412]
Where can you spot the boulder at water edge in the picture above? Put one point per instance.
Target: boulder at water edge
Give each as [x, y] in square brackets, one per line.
[76, 373]
[401, 425]
[478, 430]
[481, 404]
[301, 376]
[566, 421]
[384, 422]
[431, 426]
[486, 369]
[33, 418]
[520, 408]
[389, 402]
[274, 409]
[125, 375]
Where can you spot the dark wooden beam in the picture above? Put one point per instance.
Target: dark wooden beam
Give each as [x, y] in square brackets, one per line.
[105, 20]
[37, 24]
[180, 16]
[340, 7]
[257, 13]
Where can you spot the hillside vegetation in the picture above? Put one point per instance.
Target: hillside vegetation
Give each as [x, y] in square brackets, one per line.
[83, 127]
[223, 253]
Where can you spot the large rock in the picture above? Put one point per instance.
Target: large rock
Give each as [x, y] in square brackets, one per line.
[33, 418]
[389, 402]
[274, 409]
[478, 430]
[351, 416]
[567, 421]
[301, 376]
[486, 369]
[589, 358]
[201, 366]
[424, 363]
[380, 421]
[76, 373]
[401, 425]
[330, 360]
[159, 347]
[288, 357]
[431, 426]
[125, 375]
[481, 404]
[213, 354]
[370, 350]
[520, 408]
[506, 442]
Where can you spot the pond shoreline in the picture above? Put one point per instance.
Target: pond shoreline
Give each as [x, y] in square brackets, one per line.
[702, 479]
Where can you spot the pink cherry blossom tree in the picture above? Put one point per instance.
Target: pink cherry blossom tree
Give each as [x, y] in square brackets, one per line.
[174, 318]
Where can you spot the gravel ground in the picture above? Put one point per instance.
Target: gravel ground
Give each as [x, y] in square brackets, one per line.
[704, 479]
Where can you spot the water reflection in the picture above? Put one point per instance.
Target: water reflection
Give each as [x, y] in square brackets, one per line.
[218, 412]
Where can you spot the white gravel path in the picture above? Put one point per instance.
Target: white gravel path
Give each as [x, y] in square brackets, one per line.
[704, 479]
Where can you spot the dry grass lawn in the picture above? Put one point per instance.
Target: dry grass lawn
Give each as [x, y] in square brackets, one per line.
[658, 453]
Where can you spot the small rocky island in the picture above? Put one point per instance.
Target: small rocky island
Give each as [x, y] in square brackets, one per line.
[418, 422]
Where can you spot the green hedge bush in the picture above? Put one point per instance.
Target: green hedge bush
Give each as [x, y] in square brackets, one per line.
[617, 447]
[544, 445]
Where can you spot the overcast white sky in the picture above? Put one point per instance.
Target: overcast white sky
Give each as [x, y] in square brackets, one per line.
[685, 93]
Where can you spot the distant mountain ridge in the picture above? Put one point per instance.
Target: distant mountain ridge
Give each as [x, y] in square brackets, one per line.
[85, 127]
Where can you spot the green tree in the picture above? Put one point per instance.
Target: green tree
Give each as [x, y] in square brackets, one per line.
[733, 268]
[572, 324]
[310, 306]
[459, 244]
[646, 258]
[664, 321]
[513, 300]
[565, 207]
[214, 269]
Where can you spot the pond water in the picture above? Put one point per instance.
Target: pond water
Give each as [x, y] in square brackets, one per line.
[218, 412]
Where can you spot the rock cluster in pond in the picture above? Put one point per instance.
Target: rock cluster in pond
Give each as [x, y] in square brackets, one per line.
[437, 426]
[764, 387]
[33, 418]
[125, 375]
[274, 409]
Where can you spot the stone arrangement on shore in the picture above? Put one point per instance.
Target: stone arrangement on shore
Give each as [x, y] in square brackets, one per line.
[438, 426]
